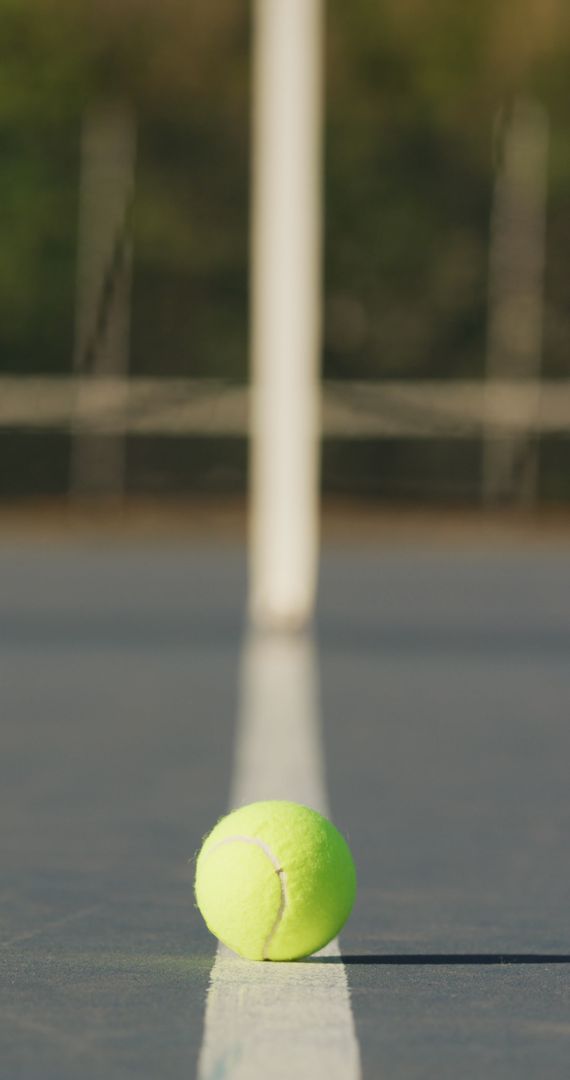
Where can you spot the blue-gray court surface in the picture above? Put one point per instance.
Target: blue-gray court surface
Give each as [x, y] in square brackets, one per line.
[442, 681]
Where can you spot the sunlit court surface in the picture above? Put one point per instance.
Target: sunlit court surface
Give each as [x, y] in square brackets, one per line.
[284, 518]
[429, 710]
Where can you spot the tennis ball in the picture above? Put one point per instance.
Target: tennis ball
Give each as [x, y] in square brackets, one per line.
[275, 881]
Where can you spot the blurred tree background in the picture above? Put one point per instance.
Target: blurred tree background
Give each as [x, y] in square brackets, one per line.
[413, 91]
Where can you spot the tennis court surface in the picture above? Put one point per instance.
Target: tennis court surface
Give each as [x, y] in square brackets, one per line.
[430, 713]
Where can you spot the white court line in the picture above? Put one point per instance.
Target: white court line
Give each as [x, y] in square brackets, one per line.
[279, 1020]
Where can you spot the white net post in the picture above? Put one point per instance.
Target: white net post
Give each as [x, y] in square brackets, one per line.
[510, 467]
[286, 309]
[103, 291]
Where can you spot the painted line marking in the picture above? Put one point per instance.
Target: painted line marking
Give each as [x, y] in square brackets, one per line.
[279, 1019]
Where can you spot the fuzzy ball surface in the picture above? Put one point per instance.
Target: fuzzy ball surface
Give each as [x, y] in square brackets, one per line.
[275, 881]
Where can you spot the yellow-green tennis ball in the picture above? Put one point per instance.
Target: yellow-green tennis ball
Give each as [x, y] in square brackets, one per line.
[275, 881]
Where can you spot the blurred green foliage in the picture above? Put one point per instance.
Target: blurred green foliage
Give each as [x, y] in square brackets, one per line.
[413, 90]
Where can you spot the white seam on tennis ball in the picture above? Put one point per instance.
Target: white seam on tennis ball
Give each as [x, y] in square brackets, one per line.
[278, 870]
